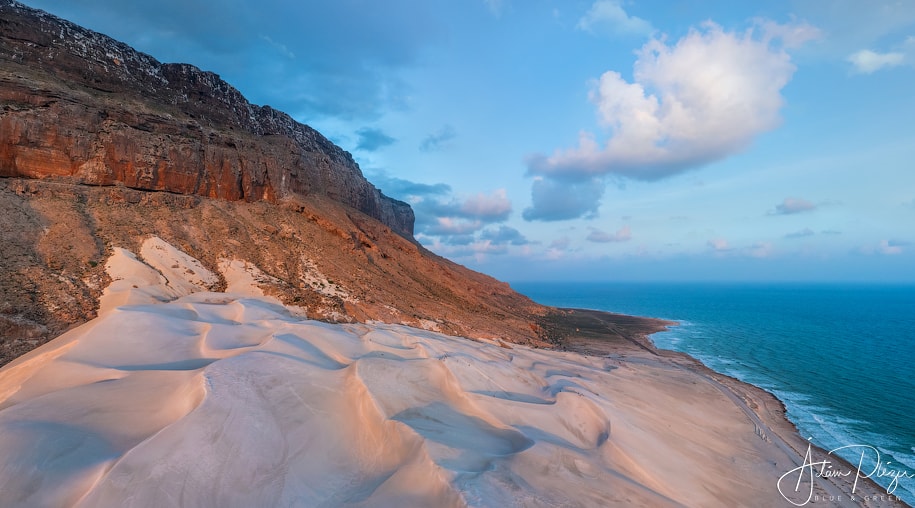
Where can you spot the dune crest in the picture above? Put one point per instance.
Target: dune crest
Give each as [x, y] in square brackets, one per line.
[179, 395]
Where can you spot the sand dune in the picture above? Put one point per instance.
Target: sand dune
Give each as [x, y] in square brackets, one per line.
[177, 396]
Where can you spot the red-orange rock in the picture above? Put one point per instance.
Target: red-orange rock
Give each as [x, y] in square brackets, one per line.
[78, 106]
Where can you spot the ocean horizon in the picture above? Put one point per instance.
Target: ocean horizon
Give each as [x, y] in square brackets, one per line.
[837, 355]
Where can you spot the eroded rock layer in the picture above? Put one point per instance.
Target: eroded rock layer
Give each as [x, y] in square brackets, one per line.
[80, 107]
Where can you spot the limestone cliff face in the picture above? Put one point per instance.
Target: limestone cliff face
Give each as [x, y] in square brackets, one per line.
[103, 147]
[77, 106]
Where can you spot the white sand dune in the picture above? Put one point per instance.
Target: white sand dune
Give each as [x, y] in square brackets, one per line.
[176, 396]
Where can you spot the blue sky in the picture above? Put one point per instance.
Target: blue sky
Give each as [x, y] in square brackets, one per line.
[593, 139]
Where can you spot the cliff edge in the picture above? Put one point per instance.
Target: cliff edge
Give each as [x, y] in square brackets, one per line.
[103, 147]
[80, 107]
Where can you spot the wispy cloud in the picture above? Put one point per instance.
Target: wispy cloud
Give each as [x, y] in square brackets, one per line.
[448, 226]
[792, 206]
[407, 190]
[371, 139]
[759, 250]
[866, 61]
[719, 245]
[438, 140]
[609, 17]
[558, 248]
[281, 48]
[892, 247]
[504, 235]
[801, 234]
[623, 234]
[885, 247]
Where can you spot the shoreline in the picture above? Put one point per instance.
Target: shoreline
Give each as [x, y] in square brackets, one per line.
[627, 339]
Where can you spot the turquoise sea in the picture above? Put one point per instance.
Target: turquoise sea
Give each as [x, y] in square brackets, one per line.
[841, 357]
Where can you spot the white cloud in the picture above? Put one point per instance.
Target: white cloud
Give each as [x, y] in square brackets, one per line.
[608, 16]
[866, 61]
[697, 101]
[622, 235]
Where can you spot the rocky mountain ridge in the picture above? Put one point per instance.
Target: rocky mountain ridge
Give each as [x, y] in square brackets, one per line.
[80, 107]
[102, 147]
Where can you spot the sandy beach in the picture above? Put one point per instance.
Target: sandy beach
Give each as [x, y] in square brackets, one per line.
[180, 396]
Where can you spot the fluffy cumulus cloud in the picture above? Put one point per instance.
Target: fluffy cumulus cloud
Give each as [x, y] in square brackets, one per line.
[690, 103]
[609, 17]
[624, 234]
[371, 139]
[791, 206]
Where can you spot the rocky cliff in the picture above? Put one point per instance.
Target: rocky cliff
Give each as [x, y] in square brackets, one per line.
[80, 107]
[103, 147]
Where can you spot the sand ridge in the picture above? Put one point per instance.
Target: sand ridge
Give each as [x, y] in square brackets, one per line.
[179, 396]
